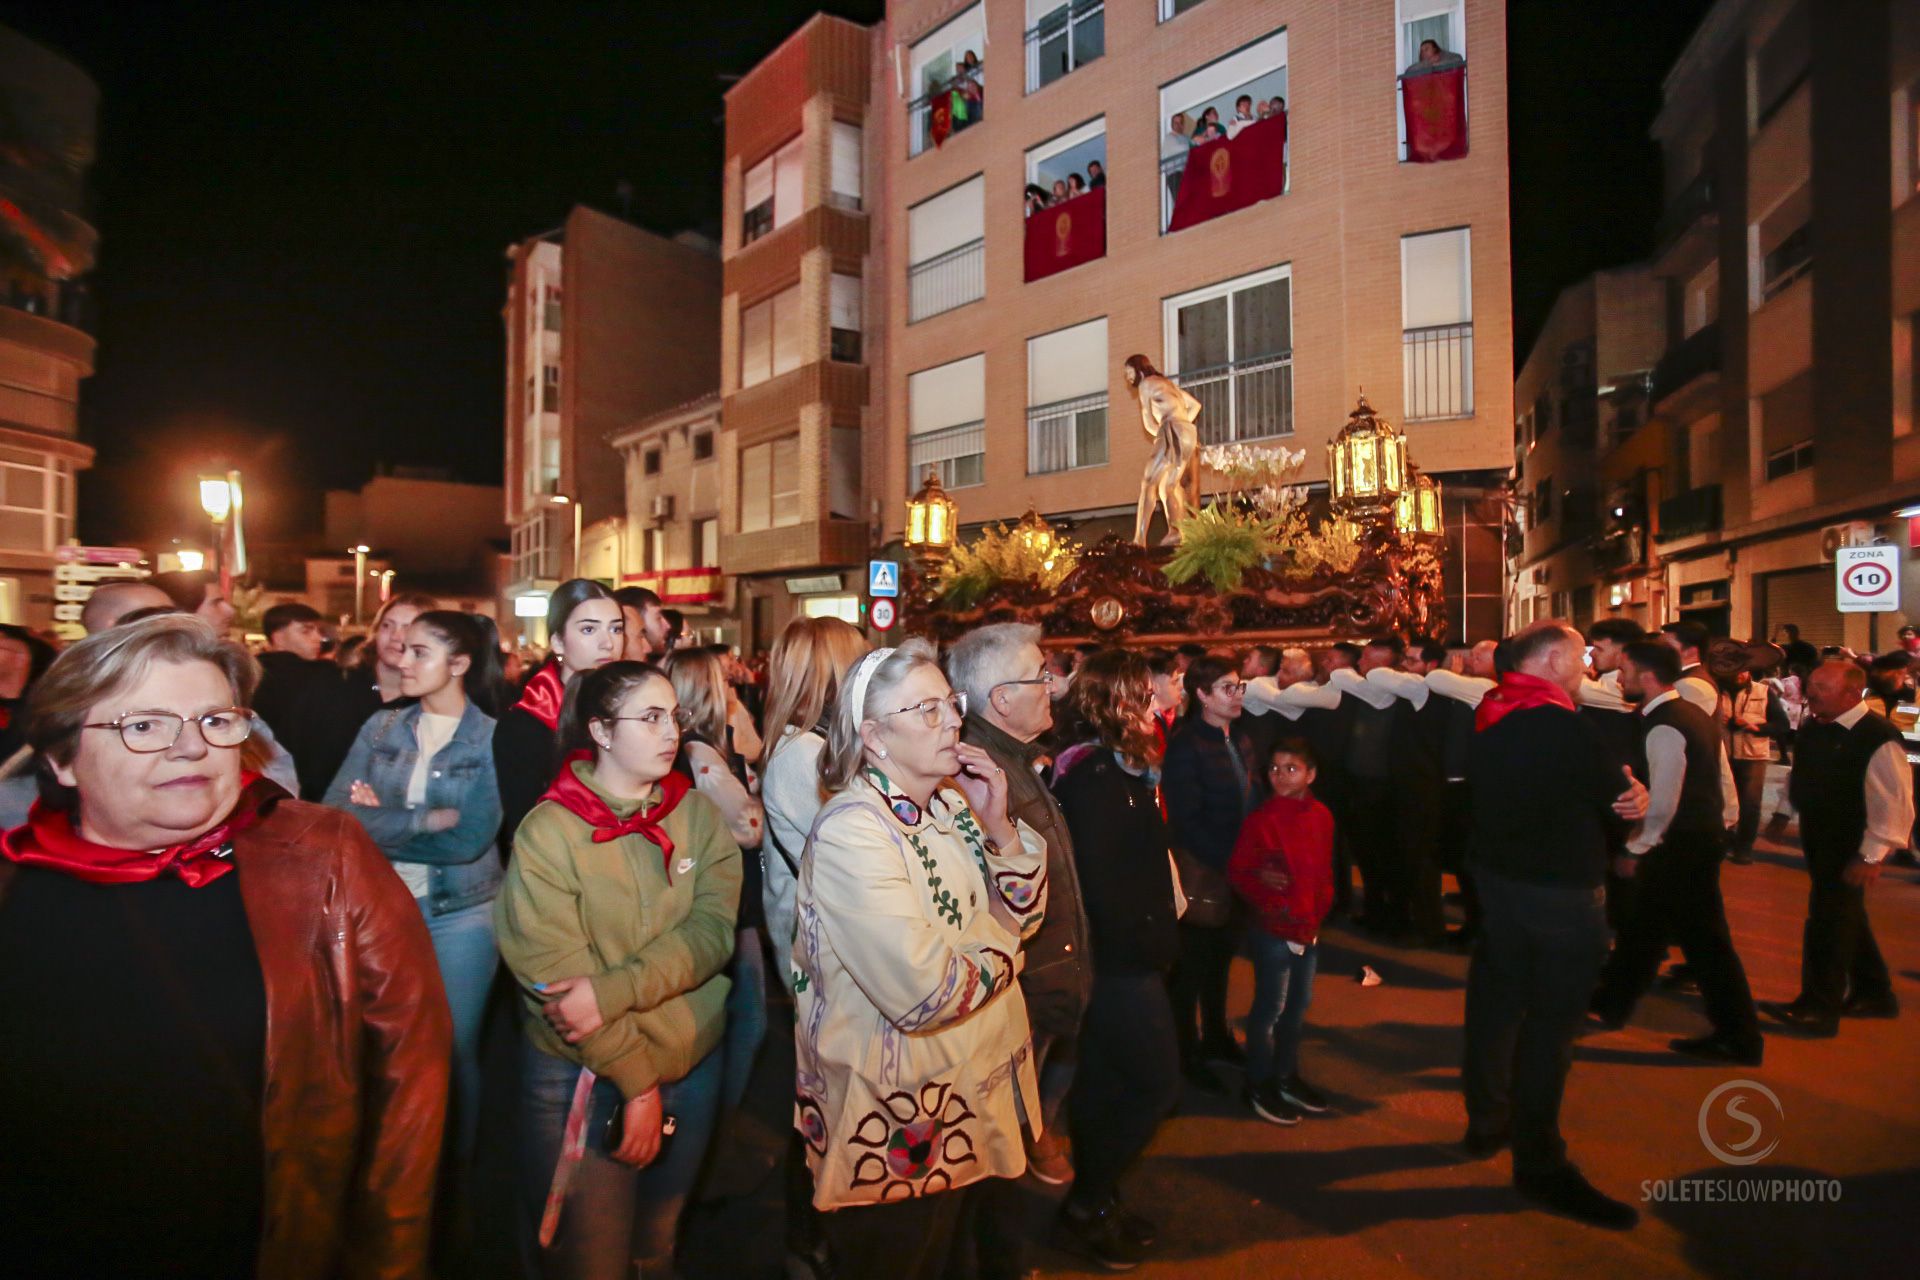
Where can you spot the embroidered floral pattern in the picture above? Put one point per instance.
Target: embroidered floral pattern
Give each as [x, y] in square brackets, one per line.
[911, 1142]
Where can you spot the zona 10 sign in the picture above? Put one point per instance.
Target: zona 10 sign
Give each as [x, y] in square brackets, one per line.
[1867, 579]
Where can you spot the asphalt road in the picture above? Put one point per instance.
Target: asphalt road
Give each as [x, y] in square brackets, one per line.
[1378, 1187]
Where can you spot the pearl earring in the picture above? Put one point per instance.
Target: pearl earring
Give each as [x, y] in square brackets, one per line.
[882, 753]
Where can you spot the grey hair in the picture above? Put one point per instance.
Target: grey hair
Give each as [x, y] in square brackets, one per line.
[983, 658]
[840, 763]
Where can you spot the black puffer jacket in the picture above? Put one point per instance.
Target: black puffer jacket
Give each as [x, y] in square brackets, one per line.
[1208, 789]
[1120, 848]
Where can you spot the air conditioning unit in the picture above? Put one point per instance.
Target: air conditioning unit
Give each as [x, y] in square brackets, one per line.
[662, 508]
[1854, 533]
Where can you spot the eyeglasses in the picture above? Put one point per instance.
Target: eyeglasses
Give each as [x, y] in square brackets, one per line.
[931, 711]
[1045, 677]
[1229, 688]
[659, 719]
[146, 732]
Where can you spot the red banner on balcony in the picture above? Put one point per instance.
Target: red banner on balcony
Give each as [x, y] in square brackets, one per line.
[1068, 234]
[1435, 103]
[1232, 173]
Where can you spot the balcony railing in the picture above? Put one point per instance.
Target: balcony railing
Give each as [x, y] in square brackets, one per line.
[1619, 551]
[1067, 434]
[1249, 399]
[948, 280]
[1696, 355]
[1695, 201]
[1696, 511]
[844, 345]
[66, 302]
[1174, 8]
[971, 85]
[1439, 371]
[1065, 40]
[958, 453]
[1793, 259]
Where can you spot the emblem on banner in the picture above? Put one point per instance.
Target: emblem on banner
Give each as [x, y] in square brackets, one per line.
[1062, 235]
[1221, 170]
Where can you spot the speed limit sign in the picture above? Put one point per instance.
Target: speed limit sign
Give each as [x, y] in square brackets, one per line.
[883, 614]
[1867, 579]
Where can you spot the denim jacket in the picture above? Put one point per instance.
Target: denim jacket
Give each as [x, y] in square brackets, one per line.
[464, 860]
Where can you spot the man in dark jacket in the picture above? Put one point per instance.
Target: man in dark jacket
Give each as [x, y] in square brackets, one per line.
[1007, 684]
[290, 668]
[1545, 791]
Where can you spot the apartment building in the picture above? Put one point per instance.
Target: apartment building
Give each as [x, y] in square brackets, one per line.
[606, 324]
[1584, 386]
[672, 469]
[1276, 275]
[1781, 414]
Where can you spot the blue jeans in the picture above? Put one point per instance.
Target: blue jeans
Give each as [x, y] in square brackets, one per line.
[1282, 989]
[463, 944]
[746, 1017]
[615, 1215]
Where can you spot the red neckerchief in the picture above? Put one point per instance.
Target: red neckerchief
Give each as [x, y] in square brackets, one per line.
[48, 839]
[1517, 691]
[577, 798]
[544, 695]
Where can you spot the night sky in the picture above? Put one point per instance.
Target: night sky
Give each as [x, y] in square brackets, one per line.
[303, 210]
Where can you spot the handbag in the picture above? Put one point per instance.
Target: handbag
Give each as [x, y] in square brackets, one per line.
[1209, 896]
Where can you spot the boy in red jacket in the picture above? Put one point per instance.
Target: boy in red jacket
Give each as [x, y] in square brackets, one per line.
[1283, 866]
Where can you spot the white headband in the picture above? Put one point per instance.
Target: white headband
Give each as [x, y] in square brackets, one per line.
[863, 676]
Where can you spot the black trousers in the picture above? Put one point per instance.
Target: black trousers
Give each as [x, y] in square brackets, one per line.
[1677, 900]
[902, 1239]
[1532, 973]
[1372, 834]
[1750, 780]
[1456, 827]
[1199, 986]
[1839, 957]
[1127, 1081]
[1419, 820]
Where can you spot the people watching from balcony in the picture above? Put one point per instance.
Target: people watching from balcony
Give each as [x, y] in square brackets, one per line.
[1242, 115]
[1076, 185]
[1279, 107]
[970, 84]
[1060, 193]
[1096, 174]
[1209, 129]
[1433, 58]
[1037, 198]
[1178, 137]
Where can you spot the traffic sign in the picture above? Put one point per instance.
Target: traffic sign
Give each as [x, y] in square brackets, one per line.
[883, 578]
[1867, 579]
[884, 614]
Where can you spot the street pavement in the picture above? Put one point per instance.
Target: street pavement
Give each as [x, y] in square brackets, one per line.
[1379, 1187]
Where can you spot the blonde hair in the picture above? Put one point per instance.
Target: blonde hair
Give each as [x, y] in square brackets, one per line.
[809, 660]
[840, 763]
[101, 665]
[700, 684]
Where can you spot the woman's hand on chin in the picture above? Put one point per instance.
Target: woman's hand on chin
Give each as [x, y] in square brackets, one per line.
[984, 784]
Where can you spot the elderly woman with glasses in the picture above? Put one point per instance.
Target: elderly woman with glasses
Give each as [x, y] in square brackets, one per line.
[915, 1068]
[227, 1045]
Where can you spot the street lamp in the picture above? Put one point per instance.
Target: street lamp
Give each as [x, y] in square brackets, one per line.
[386, 586]
[216, 499]
[359, 551]
[1366, 466]
[930, 520]
[562, 500]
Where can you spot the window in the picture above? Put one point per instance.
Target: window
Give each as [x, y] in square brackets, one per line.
[552, 309]
[1436, 317]
[550, 389]
[946, 250]
[1067, 398]
[1784, 462]
[948, 63]
[36, 501]
[770, 485]
[770, 338]
[772, 193]
[650, 462]
[1232, 346]
[655, 551]
[1060, 159]
[1258, 71]
[845, 165]
[1542, 414]
[1542, 501]
[702, 445]
[1174, 8]
[843, 318]
[1702, 302]
[1910, 118]
[946, 412]
[1781, 244]
[1783, 420]
[1074, 232]
[1419, 21]
[535, 555]
[1780, 63]
[706, 542]
[1062, 36]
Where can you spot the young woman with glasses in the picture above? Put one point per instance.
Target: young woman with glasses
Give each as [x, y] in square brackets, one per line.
[617, 920]
[912, 1043]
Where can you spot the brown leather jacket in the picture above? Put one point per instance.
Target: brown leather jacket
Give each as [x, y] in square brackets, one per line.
[359, 1042]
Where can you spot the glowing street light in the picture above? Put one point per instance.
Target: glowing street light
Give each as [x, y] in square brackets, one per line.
[930, 513]
[562, 500]
[216, 498]
[359, 551]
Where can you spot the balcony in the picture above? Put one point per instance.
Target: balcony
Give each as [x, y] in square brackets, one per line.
[1684, 235]
[947, 280]
[1224, 175]
[1249, 399]
[1693, 512]
[953, 107]
[1067, 434]
[1618, 552]
[1696, 356]
[1068, 234]
[958, 453]
[1439, 372]
[1065, 40]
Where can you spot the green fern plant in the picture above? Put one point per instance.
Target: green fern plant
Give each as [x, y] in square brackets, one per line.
[1220, 545]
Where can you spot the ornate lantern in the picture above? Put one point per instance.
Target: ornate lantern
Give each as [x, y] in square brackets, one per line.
[1416, 512]
[930, 520]
[1037, 539]
[1366, 466]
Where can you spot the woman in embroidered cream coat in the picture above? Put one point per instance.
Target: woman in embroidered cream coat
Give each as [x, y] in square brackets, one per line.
[915, 1070]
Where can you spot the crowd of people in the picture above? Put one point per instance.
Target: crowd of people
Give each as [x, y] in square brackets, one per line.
[1003, 888]
[1064, 189]
[1185, 132]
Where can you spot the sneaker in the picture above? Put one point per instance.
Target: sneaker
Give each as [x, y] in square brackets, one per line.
[1269, 1105]
[1049, 1161]
[1303, 1095]
[1569, 1193]
[1098, 1236]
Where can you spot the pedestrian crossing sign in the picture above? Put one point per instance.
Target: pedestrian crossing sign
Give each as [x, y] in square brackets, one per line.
[883, 578]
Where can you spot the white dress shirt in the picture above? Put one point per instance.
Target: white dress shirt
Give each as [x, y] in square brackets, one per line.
[1451, 684]
[1889, 794]
[1347, 680]
[1699, 689]
[1401, 684]
[1265, 693]
[1666, 770]
[1603, 694]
